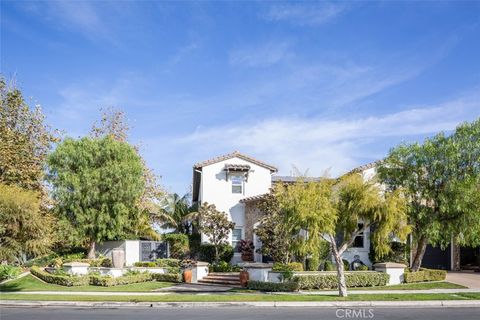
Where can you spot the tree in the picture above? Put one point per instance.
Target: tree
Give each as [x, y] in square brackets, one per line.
[25, 141]
[24, 231]
[181, 214]
[441, 178]
[215, 225]
[97, 184]
[359, 205]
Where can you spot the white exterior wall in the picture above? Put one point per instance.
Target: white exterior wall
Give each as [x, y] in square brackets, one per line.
[216, 189]
[130, 247]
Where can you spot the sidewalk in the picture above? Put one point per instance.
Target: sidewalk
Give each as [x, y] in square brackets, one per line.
[323, 292]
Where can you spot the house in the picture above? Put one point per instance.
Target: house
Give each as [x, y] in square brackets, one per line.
[235, 183]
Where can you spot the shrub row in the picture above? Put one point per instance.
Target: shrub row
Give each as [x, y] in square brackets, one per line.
[62, 280]
[100, 262]
[106, 281]
[352, 279]
[292, 266]
[223, 266]
[272, 287]
[160, 263]
[424, 275]
[167, 277]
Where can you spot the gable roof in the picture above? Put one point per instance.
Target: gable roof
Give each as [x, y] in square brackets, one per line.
[235, 154]
[365, 167]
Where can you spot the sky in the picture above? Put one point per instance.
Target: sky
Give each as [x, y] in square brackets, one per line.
[315, 85]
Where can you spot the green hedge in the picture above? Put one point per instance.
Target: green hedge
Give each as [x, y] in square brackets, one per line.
[272, 287]
[107, 281]
[167, 277]
[424, 275]
[352, 279]
[207, 252]
[62, 280]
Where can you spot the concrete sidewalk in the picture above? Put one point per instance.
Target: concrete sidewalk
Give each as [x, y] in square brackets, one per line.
[323, 292]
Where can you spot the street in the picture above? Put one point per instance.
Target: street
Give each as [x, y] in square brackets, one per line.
[286, 313]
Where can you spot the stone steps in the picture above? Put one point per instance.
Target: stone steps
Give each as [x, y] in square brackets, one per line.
[220, 278]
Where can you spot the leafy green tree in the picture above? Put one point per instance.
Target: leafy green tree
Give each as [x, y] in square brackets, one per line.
[97, 184]
[441, 178]
[181, 214]
[215, 225]
[24, 231]
[25, 140]
[359, 205]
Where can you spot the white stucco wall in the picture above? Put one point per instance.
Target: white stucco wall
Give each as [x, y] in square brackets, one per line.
[131, 248]
[216, 189]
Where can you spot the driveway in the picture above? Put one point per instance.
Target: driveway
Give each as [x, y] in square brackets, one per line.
[468, 279]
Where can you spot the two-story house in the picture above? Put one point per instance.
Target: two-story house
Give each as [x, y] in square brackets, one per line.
[235, 183]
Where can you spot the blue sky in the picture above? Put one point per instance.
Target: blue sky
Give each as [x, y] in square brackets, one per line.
[321, 85]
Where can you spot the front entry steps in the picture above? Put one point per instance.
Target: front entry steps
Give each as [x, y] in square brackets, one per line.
[222, 278]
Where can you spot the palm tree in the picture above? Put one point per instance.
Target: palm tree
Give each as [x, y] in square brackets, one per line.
[181, 213]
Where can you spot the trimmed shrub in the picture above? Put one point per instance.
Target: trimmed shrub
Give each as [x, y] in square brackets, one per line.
[295, 266]
[424, 275]
[313, 263]
[164, 263]
[178, 245]
[352, 279]
[61, 280]
[167, 277]
[223, 266]
[273, 287]
[107, 281]
[194, 242]
[362, 268]
[147, 264]
[207, 252]
[346, 265]
[9, 272]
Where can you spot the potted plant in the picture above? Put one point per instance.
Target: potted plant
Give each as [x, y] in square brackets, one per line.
[246, 248]
[187, 266]
[244, 277]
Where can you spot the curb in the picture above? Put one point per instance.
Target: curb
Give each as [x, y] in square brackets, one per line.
[270, 304]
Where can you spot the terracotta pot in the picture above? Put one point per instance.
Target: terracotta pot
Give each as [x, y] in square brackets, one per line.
[244, 278]
[187, 276]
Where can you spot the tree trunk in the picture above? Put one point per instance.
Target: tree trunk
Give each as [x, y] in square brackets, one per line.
[342, 286]
[91, 250]
[421, 247]
[216, 254]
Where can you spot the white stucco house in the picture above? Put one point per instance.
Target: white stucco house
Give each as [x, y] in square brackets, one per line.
[235, 183]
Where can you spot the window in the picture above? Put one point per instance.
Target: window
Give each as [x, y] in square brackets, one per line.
[237, 184]
[236, 237]
[358, 243]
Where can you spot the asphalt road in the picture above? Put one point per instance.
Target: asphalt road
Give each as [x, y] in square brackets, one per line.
[229, 313]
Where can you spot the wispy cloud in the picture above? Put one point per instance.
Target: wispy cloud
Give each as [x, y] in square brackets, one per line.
[263, 55]
[306, 13]
[319, 144]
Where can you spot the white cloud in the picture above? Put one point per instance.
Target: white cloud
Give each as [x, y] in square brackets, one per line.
[312, 14]
[319, 144]
[261, 56]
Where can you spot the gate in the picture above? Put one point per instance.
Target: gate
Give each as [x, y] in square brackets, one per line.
[152, 250]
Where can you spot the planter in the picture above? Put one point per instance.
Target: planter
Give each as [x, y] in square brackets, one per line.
[247, 257]
[118, 258]
[187, 276]
[244, 278]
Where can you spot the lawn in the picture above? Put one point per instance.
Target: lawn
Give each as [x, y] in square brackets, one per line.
[416, 286]
[30, 283]
[244, 297]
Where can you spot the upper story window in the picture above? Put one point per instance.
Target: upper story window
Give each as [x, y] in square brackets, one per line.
[359, 240]
[237, 183]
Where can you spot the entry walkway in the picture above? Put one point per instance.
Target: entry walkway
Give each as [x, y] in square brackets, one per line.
[468, 279]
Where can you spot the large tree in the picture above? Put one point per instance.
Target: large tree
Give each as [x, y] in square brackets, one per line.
[96, 184]
[360, 205]
[24, 231]
[182, 215]
[25, 140]
[441, 178]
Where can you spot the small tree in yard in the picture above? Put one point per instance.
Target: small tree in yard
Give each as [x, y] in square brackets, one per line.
[97, 184]
[215, 225]
[357, 201]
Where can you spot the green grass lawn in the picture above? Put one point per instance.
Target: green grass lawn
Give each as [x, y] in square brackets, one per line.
[30, 283]
[416, 286]
[243, 297]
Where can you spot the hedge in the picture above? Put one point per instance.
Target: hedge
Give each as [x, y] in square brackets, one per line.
[207, 252]
[68, 281]
[352, 279]
[177, 244]
[272, 287]
[167, 277]
[107, 281]
[424, 275]
[291, 266]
